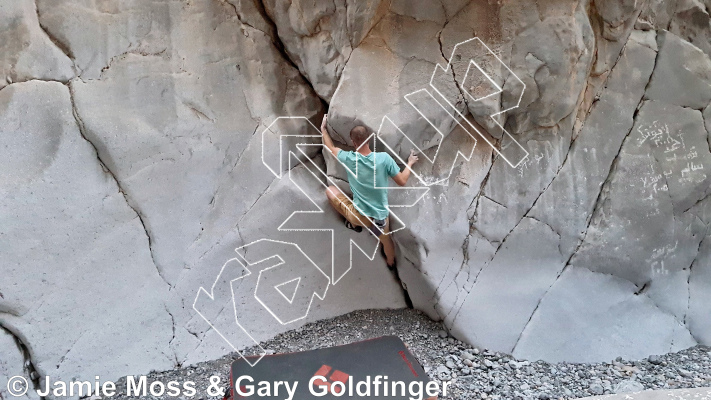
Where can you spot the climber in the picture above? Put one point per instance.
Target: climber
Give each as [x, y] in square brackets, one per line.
[369, 207]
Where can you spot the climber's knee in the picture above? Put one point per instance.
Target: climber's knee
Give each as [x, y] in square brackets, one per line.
[331, 192]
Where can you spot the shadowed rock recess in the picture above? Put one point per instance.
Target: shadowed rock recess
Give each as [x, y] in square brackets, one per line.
[131, 169]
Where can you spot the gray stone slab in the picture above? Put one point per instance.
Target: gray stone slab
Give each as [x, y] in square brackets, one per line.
[682, 74]
[78, 279]
[509, 288]
[660, 173]
[593, 317]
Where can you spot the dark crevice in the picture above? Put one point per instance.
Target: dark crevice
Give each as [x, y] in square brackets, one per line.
[695, 204]
[475, 200]
[135, 52]
[29, 367]
[275, 39]
[57, 43]
[177, 362]
[129, 202]
[243, 21]
[642, 289]
[707, 124]
[493, 201]
[403, 286]
[688, 278]
[535, 309]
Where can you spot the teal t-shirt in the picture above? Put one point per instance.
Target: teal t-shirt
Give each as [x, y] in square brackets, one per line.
[369, 187]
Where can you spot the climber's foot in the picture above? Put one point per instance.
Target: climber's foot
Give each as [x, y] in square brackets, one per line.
[356, 228]
[392, 267]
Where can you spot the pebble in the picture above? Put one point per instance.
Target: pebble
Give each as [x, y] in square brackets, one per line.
[685, 373]
[596, 389]
[442, 333]
[628, 386]
[655, 359]
[442, 370]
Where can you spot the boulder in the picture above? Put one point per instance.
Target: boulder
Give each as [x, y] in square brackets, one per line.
[149, 184]
[85, 288]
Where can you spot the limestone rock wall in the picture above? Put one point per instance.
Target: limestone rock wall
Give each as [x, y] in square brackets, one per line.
[132, 168]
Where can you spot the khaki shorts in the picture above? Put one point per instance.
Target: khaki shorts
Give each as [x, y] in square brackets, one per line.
[346, 207]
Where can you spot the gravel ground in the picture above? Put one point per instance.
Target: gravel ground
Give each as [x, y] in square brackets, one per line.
[474, 373]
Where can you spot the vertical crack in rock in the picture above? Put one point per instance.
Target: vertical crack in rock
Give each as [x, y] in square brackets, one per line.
[465, 246]
[29, 365]
[242, 20]
[597, 203]
[57, 43]
[465, 252]
[707, 124]
[82, 132]
[275, 39]
[223, 179]
[592, 12]
[540, 300]
[688, 281]
[170, 342]
[268, 188]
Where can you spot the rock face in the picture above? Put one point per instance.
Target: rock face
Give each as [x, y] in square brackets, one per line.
[566, 153]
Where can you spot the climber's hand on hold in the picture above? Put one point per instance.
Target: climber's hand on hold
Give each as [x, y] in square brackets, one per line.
[327, 138]
[402, 177]
[412, 159]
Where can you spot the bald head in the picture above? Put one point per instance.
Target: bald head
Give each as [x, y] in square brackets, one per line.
[359, 134]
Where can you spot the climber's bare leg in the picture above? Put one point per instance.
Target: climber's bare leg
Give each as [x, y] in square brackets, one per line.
[332, 192]
[388, 245]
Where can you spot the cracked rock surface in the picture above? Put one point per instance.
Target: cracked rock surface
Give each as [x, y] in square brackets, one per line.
[131, 168]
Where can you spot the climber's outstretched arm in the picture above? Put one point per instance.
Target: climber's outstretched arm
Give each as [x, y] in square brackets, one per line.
[327, 138]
